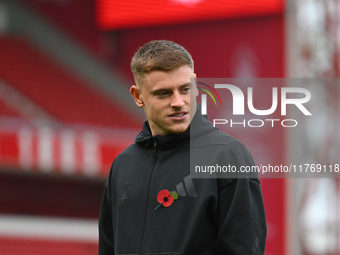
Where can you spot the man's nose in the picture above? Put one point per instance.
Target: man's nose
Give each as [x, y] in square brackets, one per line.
[177, 100]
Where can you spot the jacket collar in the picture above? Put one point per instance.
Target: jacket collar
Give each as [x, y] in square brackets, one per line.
[199, 125]
[145, 137]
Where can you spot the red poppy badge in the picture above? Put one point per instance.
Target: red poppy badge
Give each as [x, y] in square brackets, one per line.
[166, 198]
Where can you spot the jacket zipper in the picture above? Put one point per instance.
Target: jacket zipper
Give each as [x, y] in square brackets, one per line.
[149, 191]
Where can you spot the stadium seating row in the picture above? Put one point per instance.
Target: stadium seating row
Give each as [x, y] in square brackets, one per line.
[55, 89]
[16, 246]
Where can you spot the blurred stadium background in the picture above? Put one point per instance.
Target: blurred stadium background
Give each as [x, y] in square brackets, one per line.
[65, 110]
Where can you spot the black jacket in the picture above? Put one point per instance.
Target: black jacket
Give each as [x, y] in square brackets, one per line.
[211, 216]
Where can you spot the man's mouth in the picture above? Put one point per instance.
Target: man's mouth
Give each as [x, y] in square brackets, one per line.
[178, 115]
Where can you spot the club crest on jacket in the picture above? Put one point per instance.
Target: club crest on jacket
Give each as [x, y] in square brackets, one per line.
[124, 195]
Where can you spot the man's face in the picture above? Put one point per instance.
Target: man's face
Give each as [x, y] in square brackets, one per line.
[165, 97]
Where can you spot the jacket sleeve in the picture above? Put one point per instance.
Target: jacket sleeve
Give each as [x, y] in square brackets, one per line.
[241, 218]
[106, 245]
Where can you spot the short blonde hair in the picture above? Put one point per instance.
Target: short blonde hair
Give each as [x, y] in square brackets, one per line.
[159, 55]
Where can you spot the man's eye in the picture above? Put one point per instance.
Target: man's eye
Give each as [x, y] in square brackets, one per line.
[162, 94]
[186, 89]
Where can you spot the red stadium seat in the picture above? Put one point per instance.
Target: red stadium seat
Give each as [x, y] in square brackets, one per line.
[6, 110]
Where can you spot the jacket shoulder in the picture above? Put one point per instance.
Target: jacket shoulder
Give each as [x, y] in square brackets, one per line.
[220, 141]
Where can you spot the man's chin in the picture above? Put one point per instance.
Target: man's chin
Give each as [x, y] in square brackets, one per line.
[179, 130]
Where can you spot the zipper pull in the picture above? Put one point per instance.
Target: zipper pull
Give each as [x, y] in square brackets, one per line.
[155, 145]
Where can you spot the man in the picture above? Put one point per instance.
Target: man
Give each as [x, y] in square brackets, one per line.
[151, 205]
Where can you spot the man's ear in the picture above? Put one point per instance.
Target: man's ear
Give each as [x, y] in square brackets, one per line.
[196, 89]
[135, 93]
